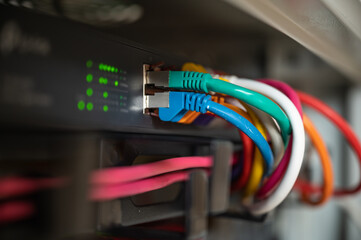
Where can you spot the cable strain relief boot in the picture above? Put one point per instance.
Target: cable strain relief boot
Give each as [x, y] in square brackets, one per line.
[197, 102]
[189, 80]
[182, 102]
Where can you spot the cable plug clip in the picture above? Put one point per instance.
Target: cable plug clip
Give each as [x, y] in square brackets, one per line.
[189, 80]
[181, 102]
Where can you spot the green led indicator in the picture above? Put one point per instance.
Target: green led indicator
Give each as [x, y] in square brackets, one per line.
[89, 106]
[89, 92]
[81, 105]
[108, 68]
[89, 63]
[121, 97]
[103, 80]
[120, 104]
[116, 83]
[120, 70]
[89, 78]
[105, 108]
[105, 94]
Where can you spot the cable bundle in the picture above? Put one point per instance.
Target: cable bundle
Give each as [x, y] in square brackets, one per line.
[275, 110]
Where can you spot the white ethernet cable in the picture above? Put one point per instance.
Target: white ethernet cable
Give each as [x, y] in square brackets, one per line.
[285, 186]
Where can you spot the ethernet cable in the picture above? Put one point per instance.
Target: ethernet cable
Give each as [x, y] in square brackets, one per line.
[253, 168]
[298, 105]
[281, 168]
[16, 211]
[17, 186]
[254, 175]
[107, 184]
[249, 169]
[275, 136]
[237, 170]
[190, 116]
[287, 90]
[120, 190]
[272, 130]
[205, 83]
[10, 187]
[257, 169]
[248, 146]
[115, 190]
[181, 102]
[248, 149]
[247, 142]
[189, 66]
[132, 173]
[317, 141]
[343, 126]
[298, 146]
[104, 192]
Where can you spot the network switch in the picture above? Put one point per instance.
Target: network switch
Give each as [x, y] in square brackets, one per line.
[60, 74]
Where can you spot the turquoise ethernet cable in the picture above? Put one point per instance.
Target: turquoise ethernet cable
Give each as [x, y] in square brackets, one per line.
[181, 102]
[205, 82]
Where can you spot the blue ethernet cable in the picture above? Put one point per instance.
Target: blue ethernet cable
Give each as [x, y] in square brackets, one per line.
[181, 102]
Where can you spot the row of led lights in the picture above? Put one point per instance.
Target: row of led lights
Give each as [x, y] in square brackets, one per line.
[104, 67]
[90, 106]
[89, 93]
[102, 80]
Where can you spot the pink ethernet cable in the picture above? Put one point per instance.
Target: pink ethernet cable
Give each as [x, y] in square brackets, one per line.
[15, 211]
[15, 186]
[133, 173]
[113, 191]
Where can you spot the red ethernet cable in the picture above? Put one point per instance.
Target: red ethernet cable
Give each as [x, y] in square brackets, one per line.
[345, 129]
